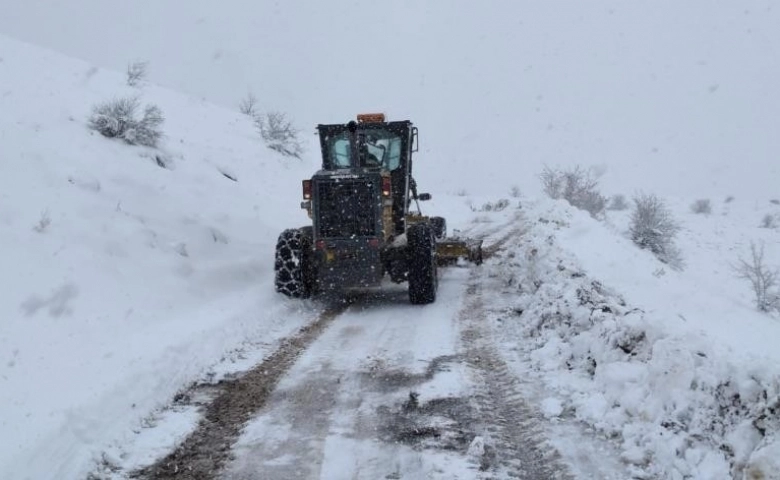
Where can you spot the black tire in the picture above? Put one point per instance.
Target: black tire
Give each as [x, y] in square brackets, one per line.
[292, 266]
[307, 264]
[423, 274]
[439, 225]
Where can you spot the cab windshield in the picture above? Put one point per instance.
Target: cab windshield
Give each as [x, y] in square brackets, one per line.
[375, 148]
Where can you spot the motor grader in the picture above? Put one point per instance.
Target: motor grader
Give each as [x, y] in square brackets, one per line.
[366, 221]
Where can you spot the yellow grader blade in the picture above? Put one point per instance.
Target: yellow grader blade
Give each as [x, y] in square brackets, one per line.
[450, 250]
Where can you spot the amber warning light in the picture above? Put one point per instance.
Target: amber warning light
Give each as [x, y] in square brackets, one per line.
[371, 117]
[307, 189]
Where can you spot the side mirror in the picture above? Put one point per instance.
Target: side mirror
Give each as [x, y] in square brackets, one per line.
[415, 140]
[424, 197]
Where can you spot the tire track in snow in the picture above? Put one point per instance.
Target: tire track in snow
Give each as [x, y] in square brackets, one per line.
[204, 453]
[516, 446]
[232, 403]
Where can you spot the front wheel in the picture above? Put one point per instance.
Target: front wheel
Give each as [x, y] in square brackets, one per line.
[292, 266]
[423, 275]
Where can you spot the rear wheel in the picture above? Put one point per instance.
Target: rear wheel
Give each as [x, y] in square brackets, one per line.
[423, 275]
[292, 266]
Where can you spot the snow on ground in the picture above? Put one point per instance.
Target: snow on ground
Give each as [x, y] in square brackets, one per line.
[673, 367]
[330, 416]
[123, 281]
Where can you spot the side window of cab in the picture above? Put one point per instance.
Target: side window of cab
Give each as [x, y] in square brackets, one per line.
[340, 153]
[394, 153]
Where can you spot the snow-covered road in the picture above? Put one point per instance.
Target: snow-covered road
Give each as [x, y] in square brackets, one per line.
[344, 410]
[378, 388]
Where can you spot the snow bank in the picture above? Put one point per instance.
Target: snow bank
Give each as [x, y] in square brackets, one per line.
[680, 400]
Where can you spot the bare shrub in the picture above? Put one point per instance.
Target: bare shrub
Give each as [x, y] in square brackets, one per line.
[136, 72]
[117, 118]
[763, 279]
[653, 228]
[774, 201]
[769, 221]
[147, 130]
[577, 186]
[552, 182]
[617, 202]
[729, 199]
[515, 192]
[702, 206]
[279, 134]
[112, 118]
[248, 105]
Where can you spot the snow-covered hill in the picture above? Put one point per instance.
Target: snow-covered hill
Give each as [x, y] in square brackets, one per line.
[121, 280]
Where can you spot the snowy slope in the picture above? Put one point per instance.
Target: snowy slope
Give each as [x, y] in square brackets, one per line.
[121, 280]
[675, 368]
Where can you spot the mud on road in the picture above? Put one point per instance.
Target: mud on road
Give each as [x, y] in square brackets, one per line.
[232, 403]
[374, 388]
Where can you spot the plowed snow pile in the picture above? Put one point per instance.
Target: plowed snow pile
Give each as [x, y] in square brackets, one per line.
[674, 367]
